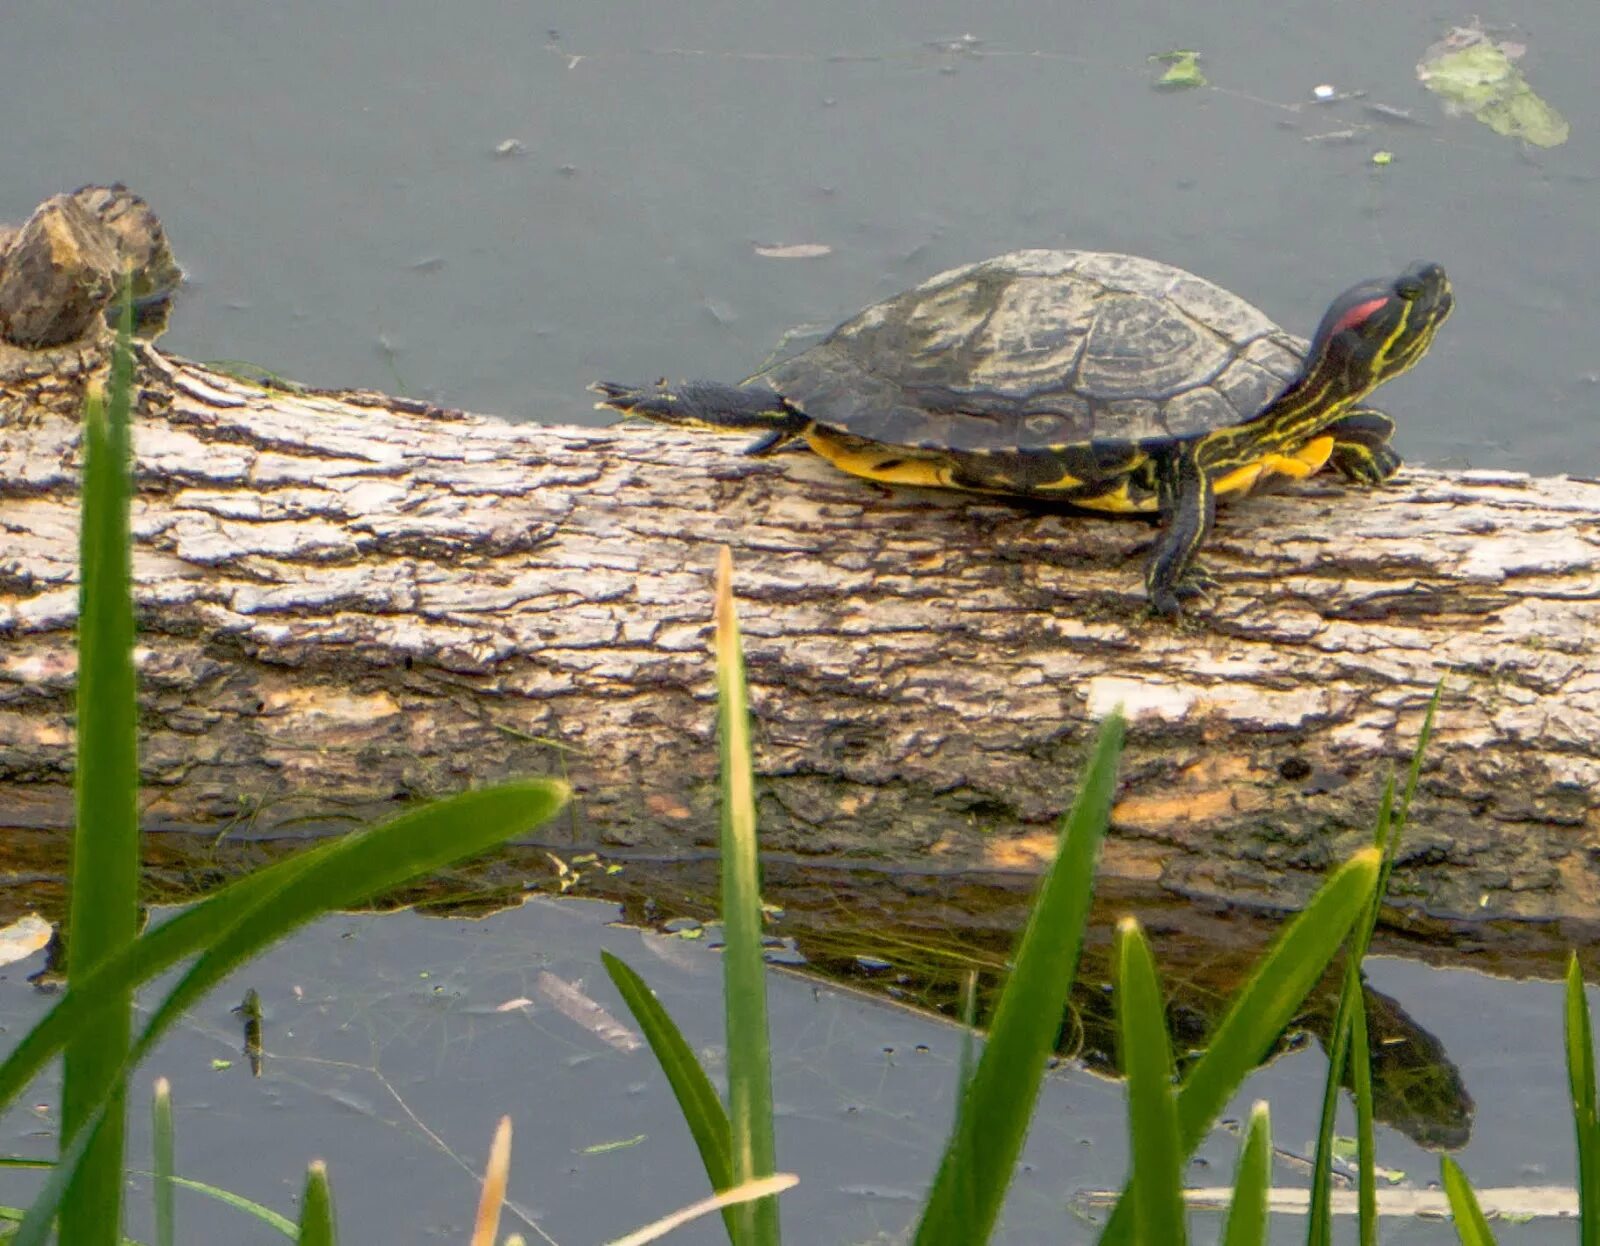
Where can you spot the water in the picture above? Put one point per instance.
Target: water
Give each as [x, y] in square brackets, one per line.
[394, 1043]
[328, 176]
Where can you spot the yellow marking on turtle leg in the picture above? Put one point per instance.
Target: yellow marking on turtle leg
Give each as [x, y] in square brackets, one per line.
[1065, 481]
[1117, 501]
[1313, 456]
[1306, 461]
[1240, 479]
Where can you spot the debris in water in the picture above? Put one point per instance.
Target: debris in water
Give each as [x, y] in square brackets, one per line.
[1183, 70]
[793, 250]
[1473, 74]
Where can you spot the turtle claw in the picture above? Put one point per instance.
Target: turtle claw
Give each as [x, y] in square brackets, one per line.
[1197, 585]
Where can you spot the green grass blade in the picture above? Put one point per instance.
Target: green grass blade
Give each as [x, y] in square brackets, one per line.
[981, 1155]
[1471, 1227]
[420, 840]
[239, 1202]
[35, 1228]
[154, 951]
[1580, 1079]
[1273, 994]
[316, 1209]
[1366, 1141]
[1252, 1182]
[1319, 1225]
[1386, 836]
[240, 920]
[744, 966]
[1266, 1004]
[1156, 1183]
[965, 1195]
[697, 1098]
[104, 911]
[161, 1147]
[1414, 774]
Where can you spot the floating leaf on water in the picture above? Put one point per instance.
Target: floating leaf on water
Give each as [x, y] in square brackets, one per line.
[794, 251]
[1474, 74]
[1388, 112]
[605, 1148]
[1183, 69]
[1381, 158]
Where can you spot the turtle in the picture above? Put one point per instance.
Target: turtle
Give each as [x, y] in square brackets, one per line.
[1111, 382]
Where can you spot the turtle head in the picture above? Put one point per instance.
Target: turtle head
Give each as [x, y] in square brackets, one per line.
[1378, 329]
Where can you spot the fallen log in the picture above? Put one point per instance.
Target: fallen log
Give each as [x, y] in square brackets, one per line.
[347, 600]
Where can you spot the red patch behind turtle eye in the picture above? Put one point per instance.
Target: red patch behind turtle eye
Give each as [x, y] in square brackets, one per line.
[1357, 314]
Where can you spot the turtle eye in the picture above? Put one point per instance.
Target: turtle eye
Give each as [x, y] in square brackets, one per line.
[1408, 288]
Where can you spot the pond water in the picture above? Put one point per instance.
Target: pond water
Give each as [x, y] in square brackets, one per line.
[392, 1044]
[329, 176]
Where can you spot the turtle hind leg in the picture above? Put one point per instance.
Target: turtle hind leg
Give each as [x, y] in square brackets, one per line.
[709, 405]
[1361, 449]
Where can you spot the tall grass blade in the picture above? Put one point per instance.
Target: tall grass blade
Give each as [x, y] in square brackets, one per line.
[246, 916]
[1319, 1226]
[35, 1227]
[992, 1123]
[1247, 1217]
[1266, 1004]
[1581, 1080]
[1471, 1226]
[697, 1098]
[1366, 1140]
[1156, 1183]
[317, 1226]
[240, 1203]
[161, 1146]
[965, 1178]
[1274, 992]
[744, 968]
[1414, 774]
[1386, 837]
[658, 1229]
[492, 1199]
[104, 912]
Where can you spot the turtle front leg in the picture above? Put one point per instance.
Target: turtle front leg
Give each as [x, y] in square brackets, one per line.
[1189, 506]
[1361, 449]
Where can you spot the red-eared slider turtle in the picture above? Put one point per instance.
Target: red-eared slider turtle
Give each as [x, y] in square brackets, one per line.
[1108, 381]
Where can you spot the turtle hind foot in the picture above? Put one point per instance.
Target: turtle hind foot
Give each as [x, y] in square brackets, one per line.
[629, 399]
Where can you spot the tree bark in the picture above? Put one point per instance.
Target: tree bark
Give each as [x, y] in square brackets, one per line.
[347, 600]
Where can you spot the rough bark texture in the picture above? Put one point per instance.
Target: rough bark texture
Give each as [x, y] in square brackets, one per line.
[348, 599]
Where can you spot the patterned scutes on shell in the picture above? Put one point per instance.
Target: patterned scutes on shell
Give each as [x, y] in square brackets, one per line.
[1044, 348]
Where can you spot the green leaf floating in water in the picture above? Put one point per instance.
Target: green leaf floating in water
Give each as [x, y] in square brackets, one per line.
[1183, 69]
[1473, 74]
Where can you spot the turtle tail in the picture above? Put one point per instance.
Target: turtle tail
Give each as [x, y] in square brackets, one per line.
[709, 405]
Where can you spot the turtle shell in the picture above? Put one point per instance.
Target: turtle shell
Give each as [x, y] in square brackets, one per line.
[1037, 350]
